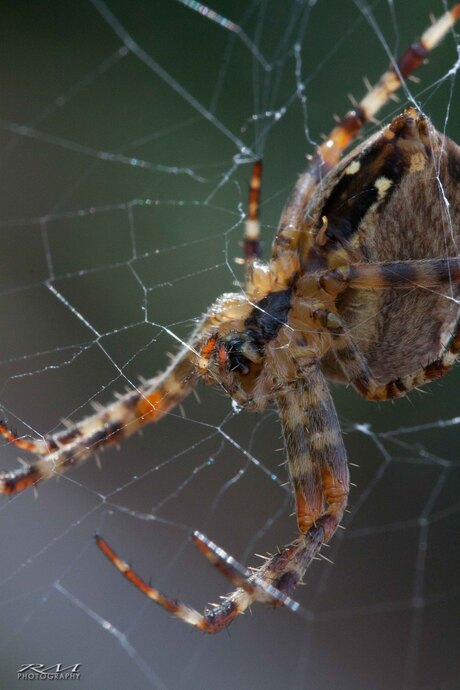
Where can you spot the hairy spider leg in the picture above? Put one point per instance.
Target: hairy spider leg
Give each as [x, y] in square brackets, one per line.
[390, 82]
[251, 244]
[427, 273]
[148, 403]
[315, 450]
[251, 587]
[292, 223]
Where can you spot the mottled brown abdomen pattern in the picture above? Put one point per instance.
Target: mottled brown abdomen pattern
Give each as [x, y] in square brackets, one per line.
[411, 215]
[400, 330]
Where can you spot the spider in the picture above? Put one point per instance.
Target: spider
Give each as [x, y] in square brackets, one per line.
[362, 288]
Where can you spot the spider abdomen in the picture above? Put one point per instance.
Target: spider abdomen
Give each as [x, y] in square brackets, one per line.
[400, 214]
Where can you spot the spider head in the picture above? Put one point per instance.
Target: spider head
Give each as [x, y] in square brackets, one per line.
[233, 359]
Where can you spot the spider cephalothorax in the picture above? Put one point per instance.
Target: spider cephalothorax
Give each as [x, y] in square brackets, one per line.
[235, 355]
[362, 288]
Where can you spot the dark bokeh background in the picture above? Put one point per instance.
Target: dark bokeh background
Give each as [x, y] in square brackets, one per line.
[385, 616]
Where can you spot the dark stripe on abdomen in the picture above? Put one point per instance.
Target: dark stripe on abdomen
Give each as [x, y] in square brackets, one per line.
[355, 192]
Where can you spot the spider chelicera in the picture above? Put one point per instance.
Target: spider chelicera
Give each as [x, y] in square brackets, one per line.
[362, 288]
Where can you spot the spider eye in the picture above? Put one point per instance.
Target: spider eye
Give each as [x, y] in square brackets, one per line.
[237, 360]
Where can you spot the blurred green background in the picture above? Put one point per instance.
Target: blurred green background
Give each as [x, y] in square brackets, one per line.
[121, 209]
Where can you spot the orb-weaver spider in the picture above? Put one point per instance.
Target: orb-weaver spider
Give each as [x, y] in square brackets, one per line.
[362, 288]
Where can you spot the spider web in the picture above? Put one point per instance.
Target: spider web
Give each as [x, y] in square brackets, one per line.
[126, 135]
